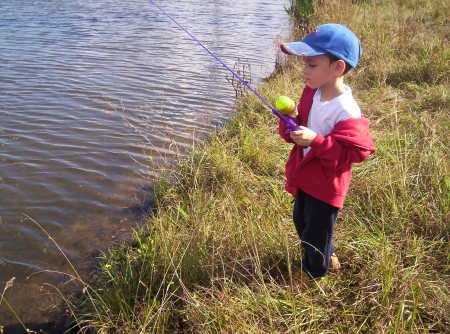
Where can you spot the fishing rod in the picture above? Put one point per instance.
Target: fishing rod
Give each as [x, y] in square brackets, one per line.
[290, 123]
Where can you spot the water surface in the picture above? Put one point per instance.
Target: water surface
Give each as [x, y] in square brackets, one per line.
[89, 90]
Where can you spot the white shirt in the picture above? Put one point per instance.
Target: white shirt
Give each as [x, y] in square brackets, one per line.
[325, 114]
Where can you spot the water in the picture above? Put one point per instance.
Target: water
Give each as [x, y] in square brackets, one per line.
[89, 90]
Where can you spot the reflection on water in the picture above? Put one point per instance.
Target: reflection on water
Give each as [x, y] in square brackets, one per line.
[88, 91]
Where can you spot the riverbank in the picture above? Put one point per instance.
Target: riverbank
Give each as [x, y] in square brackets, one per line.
[221, 252]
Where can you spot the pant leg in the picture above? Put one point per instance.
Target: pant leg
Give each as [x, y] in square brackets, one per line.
[317, 233]
[297, 213]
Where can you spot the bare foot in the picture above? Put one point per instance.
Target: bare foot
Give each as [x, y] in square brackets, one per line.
[335, 265]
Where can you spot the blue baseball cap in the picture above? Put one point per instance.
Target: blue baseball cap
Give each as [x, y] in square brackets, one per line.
[334, 39]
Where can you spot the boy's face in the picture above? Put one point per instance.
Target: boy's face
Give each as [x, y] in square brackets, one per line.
[319, 71]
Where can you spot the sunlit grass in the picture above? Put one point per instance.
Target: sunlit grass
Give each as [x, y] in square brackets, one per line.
[220, 254]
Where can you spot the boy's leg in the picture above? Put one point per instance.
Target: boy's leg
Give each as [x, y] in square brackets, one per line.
[318, 219]
[298, 213]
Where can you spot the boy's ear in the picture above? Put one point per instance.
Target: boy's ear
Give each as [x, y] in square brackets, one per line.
[340, 67]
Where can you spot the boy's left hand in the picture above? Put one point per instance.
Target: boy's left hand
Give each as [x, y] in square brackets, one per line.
[303, 137]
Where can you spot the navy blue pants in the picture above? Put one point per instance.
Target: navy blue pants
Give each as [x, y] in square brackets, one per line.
[314, 221]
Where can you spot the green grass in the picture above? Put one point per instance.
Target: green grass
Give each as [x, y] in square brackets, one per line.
[302, 10]
[220, 252]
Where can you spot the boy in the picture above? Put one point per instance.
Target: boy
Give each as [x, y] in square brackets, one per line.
[333, 134]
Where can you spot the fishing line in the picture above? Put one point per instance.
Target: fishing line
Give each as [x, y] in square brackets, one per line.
[287, 120]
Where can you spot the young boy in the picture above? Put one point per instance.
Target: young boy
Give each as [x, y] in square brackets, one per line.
[333, 134]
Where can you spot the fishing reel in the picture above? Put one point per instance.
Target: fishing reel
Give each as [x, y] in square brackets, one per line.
[286, 105]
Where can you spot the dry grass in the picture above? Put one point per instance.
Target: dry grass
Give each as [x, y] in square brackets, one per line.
[221, 251]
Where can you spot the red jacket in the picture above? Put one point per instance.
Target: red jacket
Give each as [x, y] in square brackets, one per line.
[325, 172]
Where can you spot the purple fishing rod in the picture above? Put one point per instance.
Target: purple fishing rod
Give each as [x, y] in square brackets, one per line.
[290, 123]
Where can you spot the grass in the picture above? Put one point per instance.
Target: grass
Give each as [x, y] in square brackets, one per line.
[302, 10]
[220, 252]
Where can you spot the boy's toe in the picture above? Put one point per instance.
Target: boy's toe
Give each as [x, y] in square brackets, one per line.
[334, 263]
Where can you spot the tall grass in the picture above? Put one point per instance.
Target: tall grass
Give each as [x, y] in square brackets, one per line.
[302, 10]
[221, 255]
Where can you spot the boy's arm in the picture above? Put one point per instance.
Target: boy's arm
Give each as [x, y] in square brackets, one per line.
[303, 108]
[349, 142]
[282, 130]
[328, 148]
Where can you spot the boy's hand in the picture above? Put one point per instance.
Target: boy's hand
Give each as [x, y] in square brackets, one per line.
[303, 137]
[292, 114]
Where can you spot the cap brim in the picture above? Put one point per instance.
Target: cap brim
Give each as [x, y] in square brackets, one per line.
[299, 49]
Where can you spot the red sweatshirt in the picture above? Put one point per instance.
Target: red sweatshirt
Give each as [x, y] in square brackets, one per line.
[325, 172]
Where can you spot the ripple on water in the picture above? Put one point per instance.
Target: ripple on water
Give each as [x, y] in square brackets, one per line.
[92, 92]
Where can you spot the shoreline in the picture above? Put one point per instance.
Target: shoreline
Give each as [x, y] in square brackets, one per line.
[221, 253]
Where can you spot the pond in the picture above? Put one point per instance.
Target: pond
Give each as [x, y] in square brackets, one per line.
[95, 98]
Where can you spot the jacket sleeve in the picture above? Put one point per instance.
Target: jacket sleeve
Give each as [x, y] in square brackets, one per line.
[282, 127]
[345, 145]
[330, 148]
